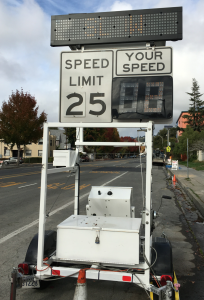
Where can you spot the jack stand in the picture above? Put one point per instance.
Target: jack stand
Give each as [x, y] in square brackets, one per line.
[13, 284]
[169, 291]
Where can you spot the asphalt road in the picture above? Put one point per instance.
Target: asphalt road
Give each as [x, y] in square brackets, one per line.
[19, 208]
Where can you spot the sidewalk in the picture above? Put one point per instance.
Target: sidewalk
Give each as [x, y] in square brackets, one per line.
[193, 204]
[193, 185]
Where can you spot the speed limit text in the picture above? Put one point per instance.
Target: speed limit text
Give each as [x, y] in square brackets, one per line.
[94, 63]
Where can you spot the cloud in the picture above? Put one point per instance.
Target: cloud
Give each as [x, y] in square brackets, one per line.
[26, 59]
[121, 5]
[11, 70]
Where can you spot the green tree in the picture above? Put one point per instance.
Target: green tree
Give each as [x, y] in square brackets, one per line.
[193, 138]
[195, 118]
[160, 140]
[19, 121]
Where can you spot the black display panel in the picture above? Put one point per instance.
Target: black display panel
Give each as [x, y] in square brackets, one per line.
[158, 24]
[142, 98]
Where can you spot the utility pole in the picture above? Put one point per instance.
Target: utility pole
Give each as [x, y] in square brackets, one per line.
[168, 137]
[187, 160]
[168, 127]
[162, 140]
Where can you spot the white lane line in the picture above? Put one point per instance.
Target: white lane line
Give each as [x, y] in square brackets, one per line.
[26, 185]
[12, 234]
[138, 165]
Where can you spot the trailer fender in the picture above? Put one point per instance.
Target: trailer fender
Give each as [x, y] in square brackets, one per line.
[164, 262]
[49, 247]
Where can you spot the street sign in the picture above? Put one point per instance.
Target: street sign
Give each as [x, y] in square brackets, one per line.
[85, 86]
[168, 149]
[143, 61]
[174, 165]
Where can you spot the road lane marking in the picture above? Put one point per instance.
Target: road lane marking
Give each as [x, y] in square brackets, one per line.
[55, 186]
[105, 172]
[20, 187]
[138, 165]
[22, 174]
[7, 184]
[14, 233]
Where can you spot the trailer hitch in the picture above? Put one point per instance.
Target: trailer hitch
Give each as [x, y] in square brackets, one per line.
[167, 290]
[17, 280]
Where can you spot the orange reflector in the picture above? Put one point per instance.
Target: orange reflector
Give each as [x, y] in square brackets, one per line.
[127, 278]
[56, 272]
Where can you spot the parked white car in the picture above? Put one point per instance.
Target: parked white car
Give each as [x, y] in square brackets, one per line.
[12, 160]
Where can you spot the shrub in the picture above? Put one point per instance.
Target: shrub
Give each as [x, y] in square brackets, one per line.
[33, 160]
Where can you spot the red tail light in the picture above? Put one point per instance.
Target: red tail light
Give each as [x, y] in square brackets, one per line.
[23, 268]
[165, 278]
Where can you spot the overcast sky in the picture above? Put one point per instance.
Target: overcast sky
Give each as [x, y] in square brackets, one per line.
[27, 61]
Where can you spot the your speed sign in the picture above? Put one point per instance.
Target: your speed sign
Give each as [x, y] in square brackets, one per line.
[85, 86]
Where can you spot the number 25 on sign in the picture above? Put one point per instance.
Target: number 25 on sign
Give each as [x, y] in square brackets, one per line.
[81, 102]
[85, 86]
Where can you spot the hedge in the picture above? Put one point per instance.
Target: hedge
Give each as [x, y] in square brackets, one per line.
[36, 160]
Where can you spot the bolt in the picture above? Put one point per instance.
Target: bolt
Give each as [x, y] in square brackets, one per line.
[147, 222]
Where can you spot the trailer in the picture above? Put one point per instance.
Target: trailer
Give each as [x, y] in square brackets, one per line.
[108, 80]
[139, 259]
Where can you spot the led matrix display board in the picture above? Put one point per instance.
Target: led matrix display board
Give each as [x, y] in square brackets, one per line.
[142, 98]
[159, 24]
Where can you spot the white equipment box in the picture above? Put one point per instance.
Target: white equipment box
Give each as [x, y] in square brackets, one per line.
[64, 158]
[99, 239]
[110, 202]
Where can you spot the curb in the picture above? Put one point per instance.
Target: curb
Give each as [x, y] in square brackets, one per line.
[191, 195]
[20, 166]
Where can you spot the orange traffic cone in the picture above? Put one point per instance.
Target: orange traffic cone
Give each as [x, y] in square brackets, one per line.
[81, 290]
[174, 178]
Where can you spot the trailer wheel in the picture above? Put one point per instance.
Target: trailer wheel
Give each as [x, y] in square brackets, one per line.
[164, 262]
[49, 248]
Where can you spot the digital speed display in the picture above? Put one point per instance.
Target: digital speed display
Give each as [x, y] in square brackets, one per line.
[159, 24]
[142, 98]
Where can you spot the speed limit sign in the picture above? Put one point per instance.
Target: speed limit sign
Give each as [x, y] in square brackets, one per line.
[85, 86]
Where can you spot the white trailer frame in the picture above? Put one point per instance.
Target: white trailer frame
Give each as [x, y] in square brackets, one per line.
[142, 280]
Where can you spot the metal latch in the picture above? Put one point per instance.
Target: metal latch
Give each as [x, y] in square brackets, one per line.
[97, 239]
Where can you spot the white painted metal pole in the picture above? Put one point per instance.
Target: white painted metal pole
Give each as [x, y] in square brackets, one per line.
[100, 125]
[148, 136]
[76, 198]
[81, 137]
[118, 144]
[43, 196]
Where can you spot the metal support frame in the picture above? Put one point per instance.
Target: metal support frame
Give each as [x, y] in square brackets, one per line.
[79, 142]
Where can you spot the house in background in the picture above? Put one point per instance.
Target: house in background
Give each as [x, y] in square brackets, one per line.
[61, 139]
[57, 140]
[181, 122]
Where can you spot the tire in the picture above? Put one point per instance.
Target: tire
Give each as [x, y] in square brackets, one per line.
[49, 248]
